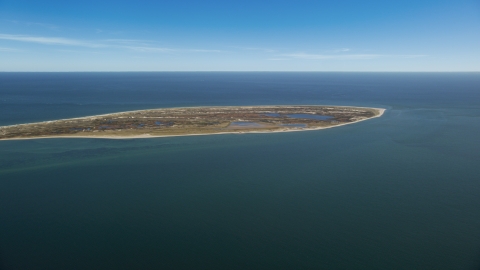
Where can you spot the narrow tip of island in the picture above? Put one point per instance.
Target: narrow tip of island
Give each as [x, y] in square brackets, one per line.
[169, 122]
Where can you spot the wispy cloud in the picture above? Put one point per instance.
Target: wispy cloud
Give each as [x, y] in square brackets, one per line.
[202, 50]
[255, 49]
[51, 40]
[129, 44]
[3, 49]
[140, 45]
[79, 51]
[347, 56]
[168, 50]
[128, 41]
[408, 56]
[341, 50]
[152, 46]
[330, 56]
[149, 49]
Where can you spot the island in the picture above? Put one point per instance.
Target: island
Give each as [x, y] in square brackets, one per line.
[167, 122]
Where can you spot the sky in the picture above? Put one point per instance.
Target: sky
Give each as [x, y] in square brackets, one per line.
[207, 35]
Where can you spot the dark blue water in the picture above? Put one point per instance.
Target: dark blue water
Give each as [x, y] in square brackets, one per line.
[396, 192]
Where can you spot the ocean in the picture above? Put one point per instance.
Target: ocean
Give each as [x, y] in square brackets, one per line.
[396, 192]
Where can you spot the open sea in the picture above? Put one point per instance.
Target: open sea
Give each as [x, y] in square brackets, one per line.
[397, 192]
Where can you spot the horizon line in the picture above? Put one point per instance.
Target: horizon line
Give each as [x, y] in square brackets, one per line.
[244, 71]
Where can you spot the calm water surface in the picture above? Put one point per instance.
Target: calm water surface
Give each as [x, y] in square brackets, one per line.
[244, 124]
[396, 192]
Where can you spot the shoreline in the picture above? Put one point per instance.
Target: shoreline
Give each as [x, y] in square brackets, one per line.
[147, 136]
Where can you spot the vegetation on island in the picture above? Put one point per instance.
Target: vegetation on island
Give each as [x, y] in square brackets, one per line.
[194, 120]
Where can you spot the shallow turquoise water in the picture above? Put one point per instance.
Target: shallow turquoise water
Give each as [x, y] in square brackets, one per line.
[400, 191]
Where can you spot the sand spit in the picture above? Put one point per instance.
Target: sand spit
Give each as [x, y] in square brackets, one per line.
[380, 112]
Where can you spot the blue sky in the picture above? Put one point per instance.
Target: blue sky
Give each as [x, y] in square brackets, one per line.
[240, 35]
